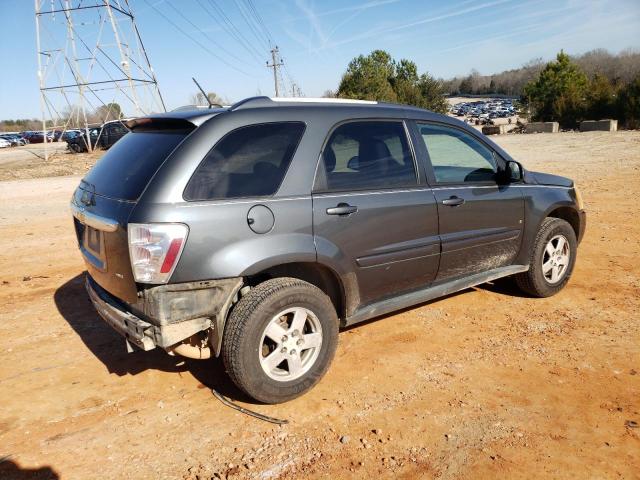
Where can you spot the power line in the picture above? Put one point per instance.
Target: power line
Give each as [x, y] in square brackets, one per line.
[231, 28]
[260, 21]
[220, 47]
[195, 40]
[252, 26]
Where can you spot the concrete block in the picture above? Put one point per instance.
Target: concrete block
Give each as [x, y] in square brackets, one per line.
[493, 129]
[599, 125]
[498, 129]
[542, 127]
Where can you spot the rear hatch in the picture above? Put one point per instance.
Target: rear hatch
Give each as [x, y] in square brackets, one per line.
[107, 195]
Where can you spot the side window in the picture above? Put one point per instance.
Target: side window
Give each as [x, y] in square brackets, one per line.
[248, 162]
[368, 155]
[118, 129]
[456, 156]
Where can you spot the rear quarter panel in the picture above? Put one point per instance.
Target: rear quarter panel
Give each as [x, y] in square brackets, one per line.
[221, 244]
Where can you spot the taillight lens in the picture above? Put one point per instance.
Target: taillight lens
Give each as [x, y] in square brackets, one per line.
[155, 250]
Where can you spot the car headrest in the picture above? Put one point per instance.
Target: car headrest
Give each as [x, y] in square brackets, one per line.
[372, 151]
[329, 159]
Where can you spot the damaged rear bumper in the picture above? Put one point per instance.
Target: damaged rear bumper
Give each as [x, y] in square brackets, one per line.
[179, 312]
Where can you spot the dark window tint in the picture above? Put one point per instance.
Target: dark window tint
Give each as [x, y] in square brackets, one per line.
[368, 155]
[118, 129]
[124, 171]
[248, 162]
[456, 156]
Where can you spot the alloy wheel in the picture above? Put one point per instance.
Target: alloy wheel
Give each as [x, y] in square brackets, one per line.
[290, 344]
[555, 259]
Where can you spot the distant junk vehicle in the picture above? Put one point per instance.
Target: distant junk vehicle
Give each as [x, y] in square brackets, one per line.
[481, 111]
[14, 139]
[99, 137]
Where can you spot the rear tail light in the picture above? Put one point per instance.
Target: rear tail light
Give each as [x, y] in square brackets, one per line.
[155, 250]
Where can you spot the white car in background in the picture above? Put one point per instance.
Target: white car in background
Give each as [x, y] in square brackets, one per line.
[4, 143]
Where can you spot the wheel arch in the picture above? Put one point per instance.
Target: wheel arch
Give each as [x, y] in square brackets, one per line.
[317, 274]
[567, 213]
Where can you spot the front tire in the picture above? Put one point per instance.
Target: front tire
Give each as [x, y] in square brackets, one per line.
[552, 259]
[280, 339]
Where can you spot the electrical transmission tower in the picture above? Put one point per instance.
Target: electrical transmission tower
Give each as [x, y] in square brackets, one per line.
[276, 63]
[92, 64]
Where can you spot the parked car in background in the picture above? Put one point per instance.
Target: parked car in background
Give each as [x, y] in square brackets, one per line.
[4, 143]
[480, 112]
[68, 134]
[34, 137]
[14, 139]
[99, 137]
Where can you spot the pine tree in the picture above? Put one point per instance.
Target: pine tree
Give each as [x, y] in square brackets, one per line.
[378, 76]
[559, 93]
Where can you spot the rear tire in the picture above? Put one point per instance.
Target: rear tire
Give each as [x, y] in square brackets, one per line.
[280, 339]
[552, 259]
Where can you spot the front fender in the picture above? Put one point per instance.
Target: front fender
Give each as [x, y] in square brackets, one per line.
[540, 201]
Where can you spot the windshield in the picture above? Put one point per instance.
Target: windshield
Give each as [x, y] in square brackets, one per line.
[125, 170]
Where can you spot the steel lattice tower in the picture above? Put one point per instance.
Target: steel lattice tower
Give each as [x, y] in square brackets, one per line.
[91, 57]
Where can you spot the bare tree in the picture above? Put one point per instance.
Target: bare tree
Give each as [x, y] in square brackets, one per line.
[199, 99]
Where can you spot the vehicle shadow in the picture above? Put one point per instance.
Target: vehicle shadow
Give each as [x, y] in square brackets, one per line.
[10, 470]
[503, 286]
[109, 347]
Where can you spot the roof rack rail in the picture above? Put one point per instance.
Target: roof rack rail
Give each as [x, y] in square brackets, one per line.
[251, 102]
[323, 100]
[264, 101]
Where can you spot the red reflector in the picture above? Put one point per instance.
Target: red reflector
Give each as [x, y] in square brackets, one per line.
[172, 254]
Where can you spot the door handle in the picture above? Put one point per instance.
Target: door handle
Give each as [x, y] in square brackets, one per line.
[453, 201]
[342, 209]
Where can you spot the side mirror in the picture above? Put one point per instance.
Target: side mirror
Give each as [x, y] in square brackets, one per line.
[353, 163]
[513, 171]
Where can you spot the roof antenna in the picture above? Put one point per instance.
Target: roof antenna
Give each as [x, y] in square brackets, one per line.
[211, 104]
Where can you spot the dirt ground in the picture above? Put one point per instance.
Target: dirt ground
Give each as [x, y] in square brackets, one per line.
[485, 383]
[28, 161]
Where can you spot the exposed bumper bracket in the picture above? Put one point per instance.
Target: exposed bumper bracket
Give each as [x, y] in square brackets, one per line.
[168, 314]
[134, 329]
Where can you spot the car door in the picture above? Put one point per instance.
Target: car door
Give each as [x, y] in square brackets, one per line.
[373, 215]
[116, 132]
[480, 220]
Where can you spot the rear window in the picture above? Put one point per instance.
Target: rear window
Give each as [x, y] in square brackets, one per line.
[248, 162]
[125, 170]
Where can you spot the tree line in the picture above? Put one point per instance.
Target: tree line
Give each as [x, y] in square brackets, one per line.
[593, 86]
[619, 69]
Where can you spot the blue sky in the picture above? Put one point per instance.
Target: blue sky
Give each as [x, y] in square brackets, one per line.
[318, 38]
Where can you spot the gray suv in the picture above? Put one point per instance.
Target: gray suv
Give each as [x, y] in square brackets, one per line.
[256, 231]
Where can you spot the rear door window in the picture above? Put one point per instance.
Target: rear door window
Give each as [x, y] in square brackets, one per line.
[125, 169]
[248, 162]
[368, 155]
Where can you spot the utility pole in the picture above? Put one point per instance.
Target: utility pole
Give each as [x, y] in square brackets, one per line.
[91, 61]
[295, 90]
[276, 63]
